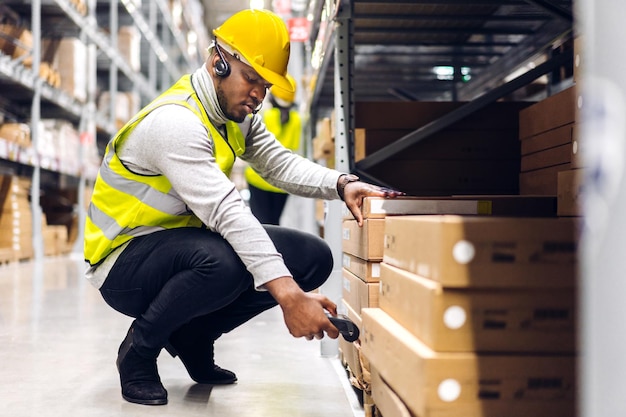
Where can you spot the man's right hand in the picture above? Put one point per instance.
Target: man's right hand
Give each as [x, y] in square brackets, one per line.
[303, 312]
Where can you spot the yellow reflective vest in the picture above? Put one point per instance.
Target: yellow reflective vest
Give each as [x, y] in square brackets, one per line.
[287, 134]
[125, 204]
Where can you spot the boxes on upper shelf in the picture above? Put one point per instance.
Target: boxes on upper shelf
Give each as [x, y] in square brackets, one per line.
[435, 384]
[480, 320]
[474, 251]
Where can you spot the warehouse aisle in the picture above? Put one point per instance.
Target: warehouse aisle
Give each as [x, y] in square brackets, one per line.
[58, 342]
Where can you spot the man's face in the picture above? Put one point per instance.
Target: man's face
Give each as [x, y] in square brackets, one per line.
[242, 91]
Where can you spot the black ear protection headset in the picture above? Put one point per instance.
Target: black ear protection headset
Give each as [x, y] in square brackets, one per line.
[222, 69]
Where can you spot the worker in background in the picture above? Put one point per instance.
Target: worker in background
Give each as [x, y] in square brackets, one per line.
[168, 238]
[267, 201]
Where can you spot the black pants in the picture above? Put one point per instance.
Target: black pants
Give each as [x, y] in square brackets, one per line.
[267, 206]
[191, 281]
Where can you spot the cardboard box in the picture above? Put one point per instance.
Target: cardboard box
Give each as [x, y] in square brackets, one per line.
[413, 115]
[483, 251]
[560, 136]
[70, 60]
[555, 156]
[578, 147]
[550, 113]
[358, 365]
[385, 399]
[433, 384]
[365, 242]
[461, 320]
[541, 181]
[357, 293]
[447, 144]
[450, 177]
[368, 271]
[501, 205]
[570, 192]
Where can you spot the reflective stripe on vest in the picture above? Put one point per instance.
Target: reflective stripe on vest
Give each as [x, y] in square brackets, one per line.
[125, 205]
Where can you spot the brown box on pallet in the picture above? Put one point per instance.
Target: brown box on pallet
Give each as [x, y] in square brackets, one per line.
[497, 205]
[477, 320]
[484, 251]
[368, 271]
[365, 242]
[541, 181]
[547, 114]
[357, 293]
[385, 399]
[435, 384]
[570, 192]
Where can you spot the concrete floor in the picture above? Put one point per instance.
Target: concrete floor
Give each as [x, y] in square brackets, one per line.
[59, 340]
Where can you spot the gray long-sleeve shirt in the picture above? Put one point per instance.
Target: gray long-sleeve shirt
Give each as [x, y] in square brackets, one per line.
[172, 141]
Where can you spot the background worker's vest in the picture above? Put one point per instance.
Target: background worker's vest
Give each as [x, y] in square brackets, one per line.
[125, 204]
[287, 134]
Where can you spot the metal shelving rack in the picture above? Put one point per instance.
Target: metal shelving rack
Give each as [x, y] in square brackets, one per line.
[164, 57]
[373, 50]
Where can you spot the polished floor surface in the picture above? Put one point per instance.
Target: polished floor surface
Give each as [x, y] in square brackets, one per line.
[58, 344]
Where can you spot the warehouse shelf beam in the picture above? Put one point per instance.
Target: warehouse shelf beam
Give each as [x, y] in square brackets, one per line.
[553, 9]
[462, 112]
[452, 17]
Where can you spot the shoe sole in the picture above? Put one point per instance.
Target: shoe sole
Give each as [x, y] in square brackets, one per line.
[157, 401]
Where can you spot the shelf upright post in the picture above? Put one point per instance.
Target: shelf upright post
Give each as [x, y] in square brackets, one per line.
[113, 27]
[87, 125]
[35, 121]
[344, 126]
[152, 60]
[603, 131]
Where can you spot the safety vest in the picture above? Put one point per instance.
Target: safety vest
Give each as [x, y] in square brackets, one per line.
[287, 134]
[125, 204]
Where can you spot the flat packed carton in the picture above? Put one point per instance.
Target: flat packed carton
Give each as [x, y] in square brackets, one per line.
[368, 271]
[357, 293]
[434, 384]
[365, 242]
[500, 205]
[541, 181]
[462, 320]
[387, 401]
[487, 252]
[549, 113]
[570, 192]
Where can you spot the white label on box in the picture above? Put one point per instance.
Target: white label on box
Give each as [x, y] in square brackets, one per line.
[449, 390]
[346, 261]
[376, 270]
[454, 317]
[346, 234]
[463, 252]
[346, 284]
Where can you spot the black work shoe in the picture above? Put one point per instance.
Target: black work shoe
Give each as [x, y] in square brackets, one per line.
[139, 376]
[199, 361]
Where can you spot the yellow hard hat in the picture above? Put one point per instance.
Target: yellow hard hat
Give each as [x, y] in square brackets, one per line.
[262, 38]
[285, 95]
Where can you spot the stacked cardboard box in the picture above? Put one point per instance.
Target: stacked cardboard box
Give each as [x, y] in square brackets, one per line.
[546, 132]
[479, 154]
[476, 317]
[363, 249]
[15, 216]
[70, 61]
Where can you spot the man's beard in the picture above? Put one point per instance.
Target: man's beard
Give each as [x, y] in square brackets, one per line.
[221, 99]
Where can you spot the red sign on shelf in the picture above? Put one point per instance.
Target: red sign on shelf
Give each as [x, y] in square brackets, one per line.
[298, 29]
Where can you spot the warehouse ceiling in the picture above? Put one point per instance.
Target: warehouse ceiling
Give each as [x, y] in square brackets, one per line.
[432, 49]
